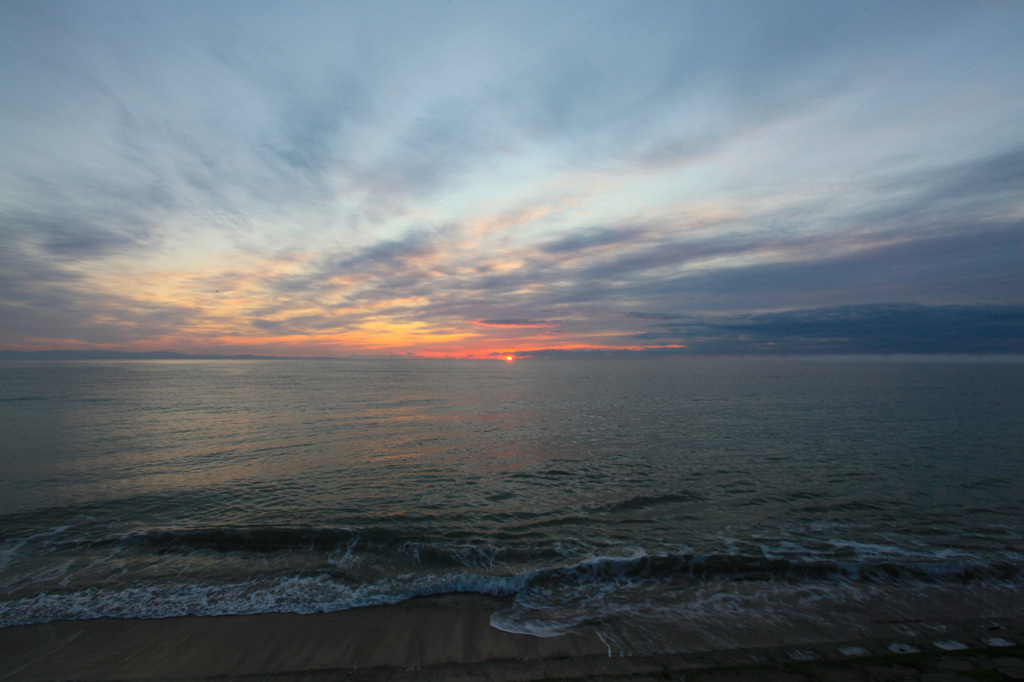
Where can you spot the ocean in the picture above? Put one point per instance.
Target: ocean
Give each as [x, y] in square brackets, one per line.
[632, 499]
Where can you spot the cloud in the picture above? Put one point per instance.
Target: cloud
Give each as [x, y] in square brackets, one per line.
[584, 240]
[413, 244]
[504, 171]
[998, 176]
[309, 131]
[75, 238]
[876, 328]
[652, 316]
[516, 323]
[957, 267]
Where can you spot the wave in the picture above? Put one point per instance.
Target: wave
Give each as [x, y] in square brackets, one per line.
[302, 593]
[643, 502]
[750, 568]
[592, 584]
[253, 539]
[378, 544]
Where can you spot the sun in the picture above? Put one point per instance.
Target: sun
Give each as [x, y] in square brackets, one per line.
[509, 358]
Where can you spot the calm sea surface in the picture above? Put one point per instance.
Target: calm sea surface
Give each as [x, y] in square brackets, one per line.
[588, 492]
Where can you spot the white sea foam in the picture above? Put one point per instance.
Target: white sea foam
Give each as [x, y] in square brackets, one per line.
[288, 594]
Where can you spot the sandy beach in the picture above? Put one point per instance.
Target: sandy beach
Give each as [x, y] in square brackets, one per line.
[450, 637]
[424, 632]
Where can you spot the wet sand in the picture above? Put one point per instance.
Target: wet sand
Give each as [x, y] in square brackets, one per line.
[417, 633]
[450, 637]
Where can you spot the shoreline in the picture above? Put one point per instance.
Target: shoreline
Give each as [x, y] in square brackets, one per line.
[447, 637]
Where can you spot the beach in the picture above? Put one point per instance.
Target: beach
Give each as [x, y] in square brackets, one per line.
[449, 637]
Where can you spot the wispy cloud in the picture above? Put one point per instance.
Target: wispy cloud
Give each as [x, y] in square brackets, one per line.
[468, 178]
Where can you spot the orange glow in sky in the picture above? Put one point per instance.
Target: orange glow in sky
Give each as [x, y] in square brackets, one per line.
[441, 210]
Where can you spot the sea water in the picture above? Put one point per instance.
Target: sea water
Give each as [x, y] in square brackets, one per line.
[618, 497]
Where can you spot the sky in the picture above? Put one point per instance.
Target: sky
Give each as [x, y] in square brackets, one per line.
[541, 179]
